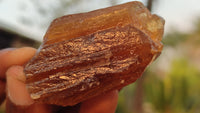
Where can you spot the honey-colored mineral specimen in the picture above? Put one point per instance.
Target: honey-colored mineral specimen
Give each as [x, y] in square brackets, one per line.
[88, 54]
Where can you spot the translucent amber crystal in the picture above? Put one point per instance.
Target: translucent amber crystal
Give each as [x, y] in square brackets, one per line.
[85, 55]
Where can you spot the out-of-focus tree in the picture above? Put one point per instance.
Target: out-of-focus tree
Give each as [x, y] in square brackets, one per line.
[174, 38]
[176, 90]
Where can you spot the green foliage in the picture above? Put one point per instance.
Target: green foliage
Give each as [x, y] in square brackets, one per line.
[125, 99]
[154, 90]
[186, 84]
[179, 92]
[174, 38]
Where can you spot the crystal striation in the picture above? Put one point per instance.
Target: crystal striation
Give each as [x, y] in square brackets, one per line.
[88, 54]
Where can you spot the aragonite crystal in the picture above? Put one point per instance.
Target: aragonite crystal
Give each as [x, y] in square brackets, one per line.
[88, 54]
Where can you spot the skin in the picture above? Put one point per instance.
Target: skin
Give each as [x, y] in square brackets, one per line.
[12, 84]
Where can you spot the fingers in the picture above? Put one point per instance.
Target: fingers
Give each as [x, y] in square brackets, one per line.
[2, 91]
[16, 88]
[14, 57]
[106, 103]
[18, 98]
[3, 54]
[9, 57]
[34, 108]
[2, 76]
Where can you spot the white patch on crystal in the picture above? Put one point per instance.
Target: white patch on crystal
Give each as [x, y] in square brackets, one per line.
[122, 81]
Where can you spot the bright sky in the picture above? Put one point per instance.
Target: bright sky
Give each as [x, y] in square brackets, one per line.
[179, 14]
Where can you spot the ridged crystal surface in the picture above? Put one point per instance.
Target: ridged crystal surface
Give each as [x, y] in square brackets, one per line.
[85, 55]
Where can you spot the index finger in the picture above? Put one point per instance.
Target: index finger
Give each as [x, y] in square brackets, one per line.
[14, 57]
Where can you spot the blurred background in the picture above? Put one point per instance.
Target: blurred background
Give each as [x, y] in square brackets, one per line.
[170, 85]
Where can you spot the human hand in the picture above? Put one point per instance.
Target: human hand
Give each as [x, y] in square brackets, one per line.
[18, 99]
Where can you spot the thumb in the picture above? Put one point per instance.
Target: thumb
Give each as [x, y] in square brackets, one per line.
[16, 88]
[18, 99]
